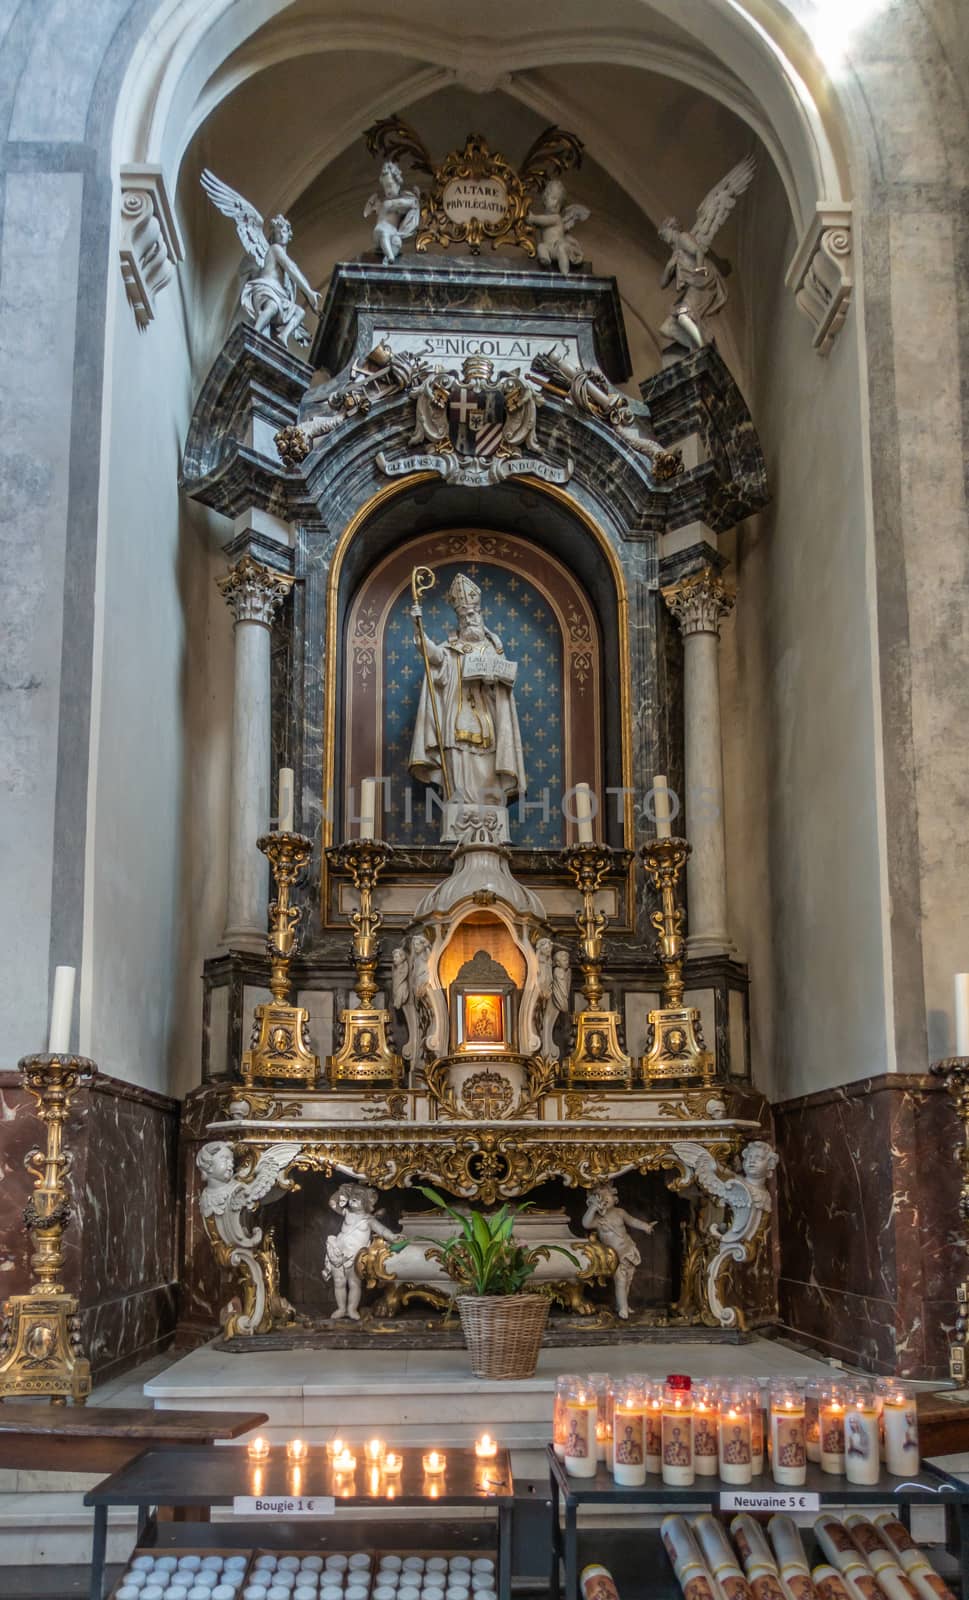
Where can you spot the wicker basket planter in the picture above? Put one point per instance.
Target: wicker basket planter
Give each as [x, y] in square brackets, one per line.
[503, 1332]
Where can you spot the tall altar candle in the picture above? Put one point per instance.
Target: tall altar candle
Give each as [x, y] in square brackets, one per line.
[581, 1414]
[962, 1013]
[284, 800]
[368, 808]
[832, 1430]
[900, 1419]
[862, 1464]
[788, 1450]
[62, 1006]
[583, 812]
[661, 807]
[678, 1470]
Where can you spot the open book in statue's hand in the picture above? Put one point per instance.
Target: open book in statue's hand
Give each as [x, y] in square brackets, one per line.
[484, 666]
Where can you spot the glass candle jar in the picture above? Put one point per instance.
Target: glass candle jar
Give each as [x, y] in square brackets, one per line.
[760, 1439]
[735, 1455]
[901, 1426]
[653, 1392]
[563, 1383]
[812, 1421]
[603, 1387]
[581, 1413]
[788, 1452]
[862, 1463]
[831, 1420]
[678, 1469]
[705, 1422]
[629, 1435]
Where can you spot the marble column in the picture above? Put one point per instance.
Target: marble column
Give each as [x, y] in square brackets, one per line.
[698, 603]
[254, 592]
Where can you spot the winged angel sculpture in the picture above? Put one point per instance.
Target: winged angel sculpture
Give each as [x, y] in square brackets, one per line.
[747, 1198]
[696, 274]
[225, 1202]
[269, 293]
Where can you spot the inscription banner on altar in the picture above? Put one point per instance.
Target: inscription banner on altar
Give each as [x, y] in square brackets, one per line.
[446, 345]
[474, 474]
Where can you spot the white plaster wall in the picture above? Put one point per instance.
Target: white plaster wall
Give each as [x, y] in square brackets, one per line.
[804, 855]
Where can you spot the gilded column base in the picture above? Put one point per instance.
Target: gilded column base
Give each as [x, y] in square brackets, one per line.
[598, 1056]
[280, 1046]
[365, 1055]
[38, 1349]
[676, 1050]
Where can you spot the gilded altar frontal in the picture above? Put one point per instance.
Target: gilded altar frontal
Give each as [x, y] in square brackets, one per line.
[483, 709]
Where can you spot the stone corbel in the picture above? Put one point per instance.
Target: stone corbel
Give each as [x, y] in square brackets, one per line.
[820, 275]
[150, 244]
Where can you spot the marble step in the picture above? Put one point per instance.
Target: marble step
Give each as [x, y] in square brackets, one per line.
[54, 1528]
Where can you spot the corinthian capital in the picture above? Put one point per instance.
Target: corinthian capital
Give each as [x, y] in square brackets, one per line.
[698, 602]
[253, 591]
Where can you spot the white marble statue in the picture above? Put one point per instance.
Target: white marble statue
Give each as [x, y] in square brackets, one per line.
[269, 293]
[611, 1223]
[356, 1204]
[745, 1195]
[472, 682]
[398, 212]
[225, 1202]
[556, 246]
[554, 984]
[698, 282]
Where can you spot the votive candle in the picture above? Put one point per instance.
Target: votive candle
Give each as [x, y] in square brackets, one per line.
[678, 1469]
[334, 1447]
[258, 1449]
[392, 1463]
[862, 1464]
[900, 1418]
[564, 1384]
[581, 1414]
[832, 1430]
[734, 1452]
[812, 1422]
[629, 1436]
[788, 1453]
[705, 1430]
[346, 1461]
[434, 1462]
[654, 1428]
[758, 1430]
[486, 1448]
[296, 1450]
[374, 1450]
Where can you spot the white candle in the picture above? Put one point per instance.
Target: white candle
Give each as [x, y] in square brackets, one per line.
[654, 1435]
[62, 1007]
[629, 1443]
[661, 807]
[368, 808]
[901, 1434]
[832, 1436]
[862, 1464]
[788, 1450]
[284, 801]
[580, 1436]
[961, 986]
[678, 1468]
[583, 812]
[735, 1453]
[705, 1436]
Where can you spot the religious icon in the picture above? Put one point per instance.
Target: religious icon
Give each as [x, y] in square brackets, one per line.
[654, 1435]
[484, 1019]
[676, 1452]
[704, 1437]
[734, 1587]
[575, 1445]
[698, 1589]
[911, 1440]
[736, 1451]
[831, 1589]
[768, 1588]
[791, 1452]
[629, 1449]
[857, 1439]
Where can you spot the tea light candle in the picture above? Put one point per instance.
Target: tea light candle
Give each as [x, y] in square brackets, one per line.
[374, 1451]
[334, 1447]
[654, 1430]
[788, 1451]
[296, 1450]
[392, 1463]
[486, 1448]
[734, 1452]
[346, 1461]
[629, 1436]
[581, 1408]
[900, 1419]
[258, 1449]
[433, 1462]
[677, 1432]
[705, 1430]
[832, 1431]
[862, 1464]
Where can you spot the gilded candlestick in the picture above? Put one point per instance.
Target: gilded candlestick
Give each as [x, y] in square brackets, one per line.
[954, 1073]
[280, 1037]
[366, 1055]
[39, 1343]
[598, 1055]
[676, 1049]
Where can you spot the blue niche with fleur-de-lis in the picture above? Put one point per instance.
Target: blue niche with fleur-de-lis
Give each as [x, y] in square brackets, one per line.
[526, 625]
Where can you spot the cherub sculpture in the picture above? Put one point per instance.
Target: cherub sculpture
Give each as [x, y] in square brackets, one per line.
[398, 211]
[699, 283]
[611, 1223]
[225, 1202]
[356, 1204]
[269, 293]
[745, 1195]
[556, 246]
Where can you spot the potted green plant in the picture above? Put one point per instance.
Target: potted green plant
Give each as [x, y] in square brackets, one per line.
[502, 1320]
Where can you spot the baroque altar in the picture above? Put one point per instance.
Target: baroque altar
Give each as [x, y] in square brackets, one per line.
[474, 569]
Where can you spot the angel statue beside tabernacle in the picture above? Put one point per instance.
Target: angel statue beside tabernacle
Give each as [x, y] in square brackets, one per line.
[269, 293]
[697, 278]
[398, 211]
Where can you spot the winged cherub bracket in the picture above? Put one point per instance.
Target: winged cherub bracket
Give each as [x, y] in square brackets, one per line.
[226, 1203]
[745, 1196]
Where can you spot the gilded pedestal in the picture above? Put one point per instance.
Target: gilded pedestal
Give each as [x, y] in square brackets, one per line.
[676, 1051]
[366, 1055]
[280, 1042]
[598, 1056]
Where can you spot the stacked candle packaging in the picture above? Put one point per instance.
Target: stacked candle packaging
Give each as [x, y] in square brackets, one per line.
[194, 1575]
[433, 1577]
[736, 1429]
[863, 1559]
[279, 1576]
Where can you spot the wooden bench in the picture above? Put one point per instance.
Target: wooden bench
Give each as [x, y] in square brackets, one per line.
[104, 1438]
